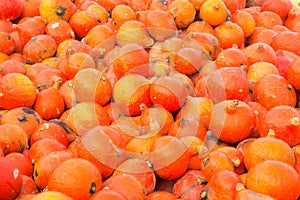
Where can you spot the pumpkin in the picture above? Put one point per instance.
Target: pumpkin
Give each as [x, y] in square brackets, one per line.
[30, 27]
[12, 138]
[188, 127]
[43, 147]
[284, 59]
[287, 40]
[57, 9]
[274, 90]
[11, 180]
[261, 179]
[223, 183]
[60, 30]
[169, 157]
[49, 108]
[99, 11]
[133, 31]
[184, 13]
[28, 186]
[91, 85]
[224, 123]
[11, 10]
[260, 51]
[66, 91]
[12, 66]
[121, 14]
[16, 90]
[160, 24]
[107, 194]
[24, 117]
[21, 162]
[48, 77]
[215, 8]
[97, 147]
[51, 195]
[231, 57]
[236, 156]
[39, 48]
[44, 167]
[161, 195]
[284, 122]
[131, 58]
[84, 178]
[50, 130]
[218, 85]
[268, 148]
[189, 185]
[259, 112]
[293, 73]
[214, 162]
[31, 8]
[131, 92]
[229, 34]
[268, 19]
[200, 26]
[168, 92]
[139, 169]
[242, 194]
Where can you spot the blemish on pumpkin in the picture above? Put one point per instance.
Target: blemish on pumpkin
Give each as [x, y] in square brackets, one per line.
[22, 118]
[1, 94]
[36, 173]
[93, 188]
[295, 121]
[57, 111]
[44, 110]
[205, 162]
[16, 173]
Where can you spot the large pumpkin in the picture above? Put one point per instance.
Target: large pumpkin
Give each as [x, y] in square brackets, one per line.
[16, 90]
[10, 180]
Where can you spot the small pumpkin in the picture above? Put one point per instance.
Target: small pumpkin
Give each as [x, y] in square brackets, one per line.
[39, 48]
[11, 10]
[16, 90]
[260, 179]
[107, 194]
[60, 30]
[58, 9]
[28, 186]
[21, 162]
[84, 179]
[11, 180]
[51, 195]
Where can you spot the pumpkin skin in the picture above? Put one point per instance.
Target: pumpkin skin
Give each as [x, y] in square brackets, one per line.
[58, 9]
[51, 195]
[161, 195]
[38, 48]
[169, 157]
[11, 10]
[274, 90]
[261, 179]
[21, 162]
[84, 179]
[16, 90]
[44, 167]
[245, 194]
[130, 92]
[219, 86]
[127, 185]
[268, 148]
[28, 186]
[232, 121]
[107, 194]
[12, 138]
[284, 121]
[189, 185]
[140, 169]
[10, 181]
[24, 117]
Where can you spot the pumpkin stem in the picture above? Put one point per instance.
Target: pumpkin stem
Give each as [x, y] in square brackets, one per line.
[289, 87]
[271, 133]
[204, 194]
[57, 83]
[21, 118]
[60, 11]
[239, 187]
[217, 6]
[148, 42]
[231, 106]
[236, 163]
[295, 121]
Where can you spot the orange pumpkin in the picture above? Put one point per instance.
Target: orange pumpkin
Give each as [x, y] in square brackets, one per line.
[131, 92]
[284, 121]
[169, 157]
[91, 85]
[268, 148]
[21, 162]
[11, 180]
[7, 43]
[231, 57]
[293, 74]
[214, 12]
[121, 14]
[28, 186]
[274, 90]
[49, 108]
[16, 90]
[242, 194]
[127, 185]
[51, 195]
[107, 194]
[60, 30]
[260, 52]
[12, 66]
[58, 9]
[161, 195]
[139, 169]
[24, 117]
[260, 179]
[39, 48]
[226, 123]
[12, 138]
[77, 178]
[44, 167]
